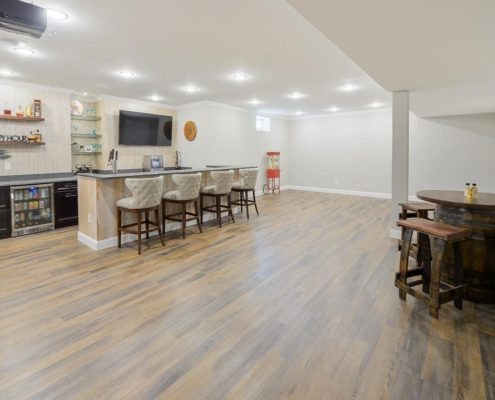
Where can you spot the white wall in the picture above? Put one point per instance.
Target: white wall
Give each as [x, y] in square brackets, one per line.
[228, 136]
[447, 152]
[347, 151]
[355, 149]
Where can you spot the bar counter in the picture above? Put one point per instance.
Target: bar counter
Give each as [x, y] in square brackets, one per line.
[478, 252]
[98, 193]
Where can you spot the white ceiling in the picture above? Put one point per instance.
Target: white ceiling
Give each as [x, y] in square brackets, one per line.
[170, 44]
[443, 51]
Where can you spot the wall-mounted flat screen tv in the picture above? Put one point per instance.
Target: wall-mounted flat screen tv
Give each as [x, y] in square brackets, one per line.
[140, 129]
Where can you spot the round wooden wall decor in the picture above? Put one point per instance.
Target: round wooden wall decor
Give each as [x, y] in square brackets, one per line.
[190, 130]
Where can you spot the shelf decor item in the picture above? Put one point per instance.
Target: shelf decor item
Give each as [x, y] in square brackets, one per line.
[190, 130]
[76, 107]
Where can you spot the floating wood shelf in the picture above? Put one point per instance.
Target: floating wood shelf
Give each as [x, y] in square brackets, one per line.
[85, 153]
[5, 143]
[20, 119]
[84, 118]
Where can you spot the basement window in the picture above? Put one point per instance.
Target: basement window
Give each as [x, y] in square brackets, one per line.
[262, 123]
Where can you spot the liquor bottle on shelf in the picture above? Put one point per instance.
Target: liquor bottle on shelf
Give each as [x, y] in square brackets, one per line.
[19, 112]
[37, 108]
[29, 111]
[7, 110]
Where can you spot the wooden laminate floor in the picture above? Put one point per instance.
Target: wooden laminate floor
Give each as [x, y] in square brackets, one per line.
[298, 303]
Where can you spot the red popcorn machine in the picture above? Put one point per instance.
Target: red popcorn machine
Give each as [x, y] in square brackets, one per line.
[272, 173]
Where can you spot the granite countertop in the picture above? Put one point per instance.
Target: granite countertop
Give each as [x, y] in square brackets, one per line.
[33, 179]
[130, 173]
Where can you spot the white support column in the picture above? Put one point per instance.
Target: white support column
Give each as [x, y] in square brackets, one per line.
[400, 155]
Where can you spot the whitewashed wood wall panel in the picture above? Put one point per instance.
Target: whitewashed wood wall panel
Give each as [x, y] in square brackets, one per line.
[55, 155]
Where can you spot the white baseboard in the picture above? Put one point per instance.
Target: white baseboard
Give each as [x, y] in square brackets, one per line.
[127, 238]
[339, 191]
[260, 192]
[345, 192]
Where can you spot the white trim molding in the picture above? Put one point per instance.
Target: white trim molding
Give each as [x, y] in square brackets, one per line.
[339, 191]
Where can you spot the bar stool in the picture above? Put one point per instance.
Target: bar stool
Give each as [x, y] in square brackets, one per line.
[435, 292]
[243, 187]
[222, 188]
[146, 197]
[413, 209]
[187, 192]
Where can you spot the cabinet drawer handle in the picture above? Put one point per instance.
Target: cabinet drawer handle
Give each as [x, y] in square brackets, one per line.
[3, 229]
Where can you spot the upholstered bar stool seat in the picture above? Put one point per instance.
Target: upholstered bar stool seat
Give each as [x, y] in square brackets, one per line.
[222, 188]
[187, 193]
[146, 197]
[246, 185]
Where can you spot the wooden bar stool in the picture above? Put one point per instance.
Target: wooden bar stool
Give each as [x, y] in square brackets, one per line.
[415, 209]
[246, 185]
[146, 198]
[222, 188]
[435, 292]
[187, 192]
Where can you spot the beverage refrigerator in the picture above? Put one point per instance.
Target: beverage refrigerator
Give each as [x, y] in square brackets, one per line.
[31, 209]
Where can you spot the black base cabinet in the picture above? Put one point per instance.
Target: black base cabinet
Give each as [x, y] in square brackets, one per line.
[5, 218]
[66, 211]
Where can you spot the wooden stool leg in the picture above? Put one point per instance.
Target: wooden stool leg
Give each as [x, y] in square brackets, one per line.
[197, 215]
[241, 200]
[218, 200]
[458, 273]
[157, 219]
[201, 207]
[147, 222]
[183, 216]
[424, 247]
[139, 231]
[229, 203]
[164, 210]
[436, 271]
[404, 260]
[119, 227]
[246, 198]
[255, 205]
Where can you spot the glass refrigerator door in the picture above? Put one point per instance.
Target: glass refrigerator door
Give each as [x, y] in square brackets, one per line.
[32, 208]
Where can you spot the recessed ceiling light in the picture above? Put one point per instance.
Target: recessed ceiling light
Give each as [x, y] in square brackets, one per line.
[298, 113]
[127, 74]
[6, 72]
[155, 98]
[55, 14]
[190, 89]
[349, 87]
[333, 109]
[24, 51]
[240, 77]
[376, 104]
[85, 93]
[296, 96]
[254, 102]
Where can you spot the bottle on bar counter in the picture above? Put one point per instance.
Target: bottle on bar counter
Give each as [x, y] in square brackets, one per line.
[467, 190]
[474, 191]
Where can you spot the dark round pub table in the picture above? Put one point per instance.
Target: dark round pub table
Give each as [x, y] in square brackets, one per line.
[478, 252]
